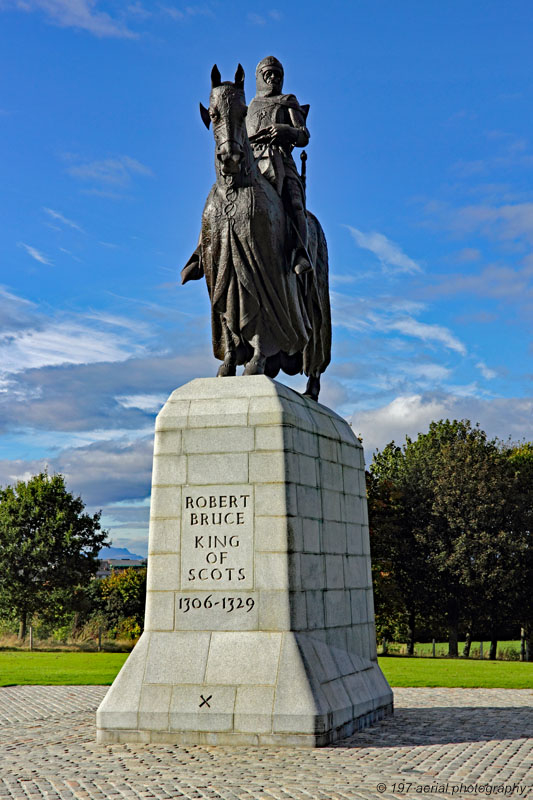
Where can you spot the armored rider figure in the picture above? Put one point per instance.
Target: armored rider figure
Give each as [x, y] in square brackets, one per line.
[276, 123]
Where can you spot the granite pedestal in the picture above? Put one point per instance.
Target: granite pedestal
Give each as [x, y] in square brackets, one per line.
[259, 613]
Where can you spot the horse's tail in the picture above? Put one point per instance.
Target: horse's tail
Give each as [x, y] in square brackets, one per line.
[317, 353]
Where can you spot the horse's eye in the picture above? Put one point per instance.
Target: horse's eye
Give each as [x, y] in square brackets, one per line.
[213, 113]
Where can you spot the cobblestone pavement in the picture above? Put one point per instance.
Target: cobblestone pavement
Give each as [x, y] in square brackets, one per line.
[445, 742]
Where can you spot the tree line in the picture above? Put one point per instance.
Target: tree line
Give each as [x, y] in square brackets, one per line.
[49, 550]
[451, 532]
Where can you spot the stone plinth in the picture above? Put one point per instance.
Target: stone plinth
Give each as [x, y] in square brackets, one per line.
[259, 612]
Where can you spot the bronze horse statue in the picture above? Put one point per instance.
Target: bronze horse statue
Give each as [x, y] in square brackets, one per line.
[263, 315]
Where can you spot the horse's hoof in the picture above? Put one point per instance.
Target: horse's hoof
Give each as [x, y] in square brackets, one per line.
[256, 366]
[227, 370]
[312, 389]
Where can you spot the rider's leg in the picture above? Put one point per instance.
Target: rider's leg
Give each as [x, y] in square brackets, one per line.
[294, 192]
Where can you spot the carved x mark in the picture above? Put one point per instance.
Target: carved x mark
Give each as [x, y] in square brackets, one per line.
[205, 701]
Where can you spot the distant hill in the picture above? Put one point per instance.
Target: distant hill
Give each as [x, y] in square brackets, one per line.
[119, 552]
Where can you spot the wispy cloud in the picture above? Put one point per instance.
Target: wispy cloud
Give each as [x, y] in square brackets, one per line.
[64, 220]
[468, 254]
[514, 154]
[428, 333]
[138, 10]
[36, 254]
[431, 372]
[261, 19]
[144, 402]
[109, 171]
[487, 373]
[172, 12]
[508, 221]
[78, 14]
[495, 280]
[390, 255]
[187, 11]
[62, 343]
[256, 19]
[70, 253]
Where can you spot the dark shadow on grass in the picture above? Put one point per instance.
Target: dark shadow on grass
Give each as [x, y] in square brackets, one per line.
[412, 727]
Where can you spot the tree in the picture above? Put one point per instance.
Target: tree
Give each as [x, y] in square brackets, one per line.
[520, 457]
[399, 564]
[124, 596]
[48, 546]
[447, 525]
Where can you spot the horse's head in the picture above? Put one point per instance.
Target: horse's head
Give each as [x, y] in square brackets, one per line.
[227, 111]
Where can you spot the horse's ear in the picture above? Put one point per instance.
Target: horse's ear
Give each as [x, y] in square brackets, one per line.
[204, 113]
[239, 78]
[216, 78]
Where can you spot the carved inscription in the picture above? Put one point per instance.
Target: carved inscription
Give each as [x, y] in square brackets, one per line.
[217, 538]
[188, 602]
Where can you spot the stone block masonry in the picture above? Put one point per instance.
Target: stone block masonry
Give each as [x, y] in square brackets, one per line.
[259, 625]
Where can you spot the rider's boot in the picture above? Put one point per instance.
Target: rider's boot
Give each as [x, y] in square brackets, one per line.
[301, 262]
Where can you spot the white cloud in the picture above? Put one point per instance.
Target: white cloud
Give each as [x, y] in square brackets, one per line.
[172, 12]
[256, 19]
[431, 372]
[405, 415]
[102, 473]
[390, 254]
[486, 371]
[386, 315]
[115, 171]
[61, 343]
[36, 254]
[145, 402]
[411, 414]
[60, 218]
[117, 321]
[428, 333]
[508, 221]
[138, 10]
[79, 14]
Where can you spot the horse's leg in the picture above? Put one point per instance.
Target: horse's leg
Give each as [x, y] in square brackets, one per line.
[228, 368]
[256, 365]
[313, 387]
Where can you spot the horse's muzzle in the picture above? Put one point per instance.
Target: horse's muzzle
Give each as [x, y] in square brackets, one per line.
[230, 160]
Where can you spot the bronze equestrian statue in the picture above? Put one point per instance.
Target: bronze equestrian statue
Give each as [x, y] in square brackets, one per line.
[263, 255]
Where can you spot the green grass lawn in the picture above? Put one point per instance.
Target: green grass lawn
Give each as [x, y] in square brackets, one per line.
[441, 649]
[402, 671]
[64, 668]
[59, 668]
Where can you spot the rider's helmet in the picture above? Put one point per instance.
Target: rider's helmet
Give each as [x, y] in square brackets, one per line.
[269, 76]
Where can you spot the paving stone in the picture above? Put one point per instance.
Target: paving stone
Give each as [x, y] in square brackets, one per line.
[473, 737]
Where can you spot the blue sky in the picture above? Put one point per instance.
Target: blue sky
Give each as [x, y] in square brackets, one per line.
[420, 170]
